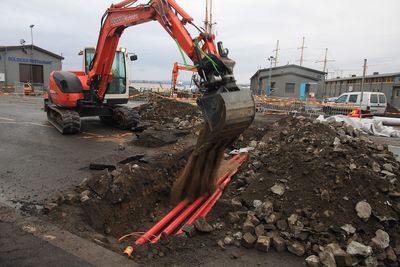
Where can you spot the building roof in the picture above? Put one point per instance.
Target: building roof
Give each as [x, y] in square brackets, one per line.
[37, 48]
[288, 66]
[367, 76]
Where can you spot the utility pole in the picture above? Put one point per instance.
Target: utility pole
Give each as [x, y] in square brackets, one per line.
[276, 53]
[206, 18]
[325, 61]
[211, 17]
[302, 51]
[31, 26]
[270, 59]
[362, 83]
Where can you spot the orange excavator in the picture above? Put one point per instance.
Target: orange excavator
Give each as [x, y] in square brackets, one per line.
[175, 72]
[227, 109]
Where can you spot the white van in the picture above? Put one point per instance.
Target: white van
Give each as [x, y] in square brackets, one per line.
[375, 102]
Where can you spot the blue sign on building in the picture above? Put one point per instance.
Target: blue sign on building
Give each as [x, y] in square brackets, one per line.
[29, 60]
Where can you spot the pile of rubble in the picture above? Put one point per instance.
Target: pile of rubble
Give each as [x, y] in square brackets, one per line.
[171, 113]
[321, 191]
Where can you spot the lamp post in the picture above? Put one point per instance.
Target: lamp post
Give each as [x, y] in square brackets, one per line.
[31, 26]
[270, 59]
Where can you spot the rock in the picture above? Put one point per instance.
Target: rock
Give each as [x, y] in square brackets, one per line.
[388, 167]
[282, 225]
[257, 203]
[371, 262]
[327, 258]
[265, 209]
[355, 248]
[238, 235]
[296, 248]
[259, 230]
[341, 257]
[248, 227]
[313, 261]
[293, 219]
[236, 204]
[253, 144]
[263, 243]
[363, 210]
[353, 166]
[228, 240]
[278, 189]
[348, 228]
[272, 218]
[325, 195]
[376, 167]
[279, 243]
[381, 239]
[387, 173]
[85, 196]
[248, 240]
[253, 219]
[189, 230]
[336, 142]
[202, 225]
[233, 217]
[221, 244]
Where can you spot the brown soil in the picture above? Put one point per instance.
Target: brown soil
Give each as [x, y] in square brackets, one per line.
[165, 111]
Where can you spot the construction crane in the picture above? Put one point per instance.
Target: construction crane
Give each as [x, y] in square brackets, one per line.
[175, 73]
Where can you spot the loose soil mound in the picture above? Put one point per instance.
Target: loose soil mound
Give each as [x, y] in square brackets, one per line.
[166, 111]
[305, 181]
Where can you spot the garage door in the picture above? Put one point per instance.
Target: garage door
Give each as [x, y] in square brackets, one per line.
[30, 73]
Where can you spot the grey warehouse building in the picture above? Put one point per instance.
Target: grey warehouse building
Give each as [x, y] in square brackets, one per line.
[21, 64]
[389, 84]
[292, 81]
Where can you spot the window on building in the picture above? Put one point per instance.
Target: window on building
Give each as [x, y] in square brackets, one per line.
[374, 99]
[353, 98]
[289, 88]
[272, 85]
[31, 73]
[396, 93]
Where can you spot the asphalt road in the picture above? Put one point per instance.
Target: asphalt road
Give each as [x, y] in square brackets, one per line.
[36, 161]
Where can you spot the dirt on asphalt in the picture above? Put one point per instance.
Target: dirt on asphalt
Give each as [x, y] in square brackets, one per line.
[309, 188]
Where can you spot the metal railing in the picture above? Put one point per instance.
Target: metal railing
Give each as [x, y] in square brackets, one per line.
[303, 107]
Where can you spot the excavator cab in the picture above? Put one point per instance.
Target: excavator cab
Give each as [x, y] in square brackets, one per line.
[119, 86]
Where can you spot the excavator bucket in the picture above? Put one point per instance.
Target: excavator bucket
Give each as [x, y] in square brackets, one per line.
[227, 114]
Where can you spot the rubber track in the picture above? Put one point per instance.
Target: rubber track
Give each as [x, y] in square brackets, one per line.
[130, 118]
[71, 122]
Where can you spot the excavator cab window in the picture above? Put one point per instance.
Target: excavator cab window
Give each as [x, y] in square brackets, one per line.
[118, 84]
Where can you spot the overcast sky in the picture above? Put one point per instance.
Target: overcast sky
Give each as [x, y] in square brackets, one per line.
[351, 29]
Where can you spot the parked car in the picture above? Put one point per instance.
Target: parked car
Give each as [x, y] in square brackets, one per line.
[330, 100]
[374, 102]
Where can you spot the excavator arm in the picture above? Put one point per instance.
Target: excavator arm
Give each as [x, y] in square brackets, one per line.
[227, 109]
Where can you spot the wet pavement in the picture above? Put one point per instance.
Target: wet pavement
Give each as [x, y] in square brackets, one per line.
[36, 161]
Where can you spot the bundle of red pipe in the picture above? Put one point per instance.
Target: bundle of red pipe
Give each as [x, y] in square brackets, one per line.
[202, 204]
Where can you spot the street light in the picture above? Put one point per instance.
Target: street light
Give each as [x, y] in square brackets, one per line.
[31, 26]
[270, 59]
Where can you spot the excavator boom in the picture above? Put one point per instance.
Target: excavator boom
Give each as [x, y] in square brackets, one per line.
[227, 109]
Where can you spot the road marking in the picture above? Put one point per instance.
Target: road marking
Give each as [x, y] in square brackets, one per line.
[6, 119]
[22, 123]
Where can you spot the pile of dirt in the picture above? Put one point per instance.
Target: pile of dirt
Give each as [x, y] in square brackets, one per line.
[321, 190]
[132, 197]
[165, 111]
